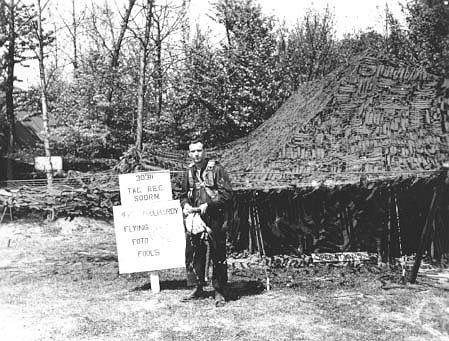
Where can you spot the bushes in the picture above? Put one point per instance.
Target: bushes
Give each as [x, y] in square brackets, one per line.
[85, 143]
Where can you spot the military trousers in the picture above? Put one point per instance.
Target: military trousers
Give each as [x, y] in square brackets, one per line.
[196, 256]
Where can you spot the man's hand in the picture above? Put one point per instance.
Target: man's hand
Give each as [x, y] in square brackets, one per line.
[187, 209]
[203, 208]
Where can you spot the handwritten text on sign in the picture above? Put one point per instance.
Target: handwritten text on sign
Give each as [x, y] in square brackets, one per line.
[145, 187]
[339, 257]
[149, 238]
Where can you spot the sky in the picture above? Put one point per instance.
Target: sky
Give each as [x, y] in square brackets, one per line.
[350, 16]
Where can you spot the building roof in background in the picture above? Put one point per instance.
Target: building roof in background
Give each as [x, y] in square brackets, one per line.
[29, 129]
[29, 125]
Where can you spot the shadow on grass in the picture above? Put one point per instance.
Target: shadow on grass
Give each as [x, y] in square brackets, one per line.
[173, 284]
[244, 288]
[235, 289]
[101, 259]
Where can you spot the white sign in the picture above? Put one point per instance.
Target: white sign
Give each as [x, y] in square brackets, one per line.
[145, 187]
[339, 257]
[42, 163]
[149, 237]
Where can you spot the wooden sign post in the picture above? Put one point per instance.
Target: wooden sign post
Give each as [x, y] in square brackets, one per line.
[148, 225]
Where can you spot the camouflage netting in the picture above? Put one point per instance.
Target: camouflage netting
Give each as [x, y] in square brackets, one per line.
[373, 119]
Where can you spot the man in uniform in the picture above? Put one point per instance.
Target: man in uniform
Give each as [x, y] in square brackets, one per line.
[206, 191]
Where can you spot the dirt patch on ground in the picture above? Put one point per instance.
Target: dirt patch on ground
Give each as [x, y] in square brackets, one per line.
[60, 281]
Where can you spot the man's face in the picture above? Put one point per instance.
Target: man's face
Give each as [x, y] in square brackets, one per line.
[196, 152]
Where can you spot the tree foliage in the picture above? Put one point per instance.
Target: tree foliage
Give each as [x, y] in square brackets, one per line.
[78, 108]
[197, 84]
[232, 87]
[251, 63]
[428, 26]
[311, 47]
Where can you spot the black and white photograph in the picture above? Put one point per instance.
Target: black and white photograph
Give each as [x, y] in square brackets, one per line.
[196, 170]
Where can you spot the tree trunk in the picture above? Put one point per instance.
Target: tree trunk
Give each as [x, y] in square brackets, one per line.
[2, 17]
[227, 25]
[142, 75]
[74, 41]
[9, 100]
[158, 68]
[43, 89]
[56, 47]
[140, 101]
[115, 57]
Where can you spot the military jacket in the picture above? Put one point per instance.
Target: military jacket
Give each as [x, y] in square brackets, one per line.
[209, 185]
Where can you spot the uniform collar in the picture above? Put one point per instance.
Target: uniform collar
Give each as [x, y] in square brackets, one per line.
[193, 165]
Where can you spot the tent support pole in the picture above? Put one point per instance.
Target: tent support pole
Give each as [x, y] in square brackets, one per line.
[429, 225]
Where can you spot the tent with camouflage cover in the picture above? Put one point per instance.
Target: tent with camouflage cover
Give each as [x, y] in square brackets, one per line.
[350, 162]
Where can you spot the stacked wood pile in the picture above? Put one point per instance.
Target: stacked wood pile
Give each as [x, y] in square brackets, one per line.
[79, 194]
[87, 194]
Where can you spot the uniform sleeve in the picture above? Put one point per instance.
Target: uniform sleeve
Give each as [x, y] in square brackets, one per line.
[224, 189]
[184, 197]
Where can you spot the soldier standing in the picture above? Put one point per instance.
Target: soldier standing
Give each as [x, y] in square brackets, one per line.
[206, 192]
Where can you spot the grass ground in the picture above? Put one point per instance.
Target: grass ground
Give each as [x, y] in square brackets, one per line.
[59, 281]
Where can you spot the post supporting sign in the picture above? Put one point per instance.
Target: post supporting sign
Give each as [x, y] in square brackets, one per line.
[148, 225]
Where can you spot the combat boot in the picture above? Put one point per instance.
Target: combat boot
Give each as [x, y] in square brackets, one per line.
[196, 294]
[220, 300]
